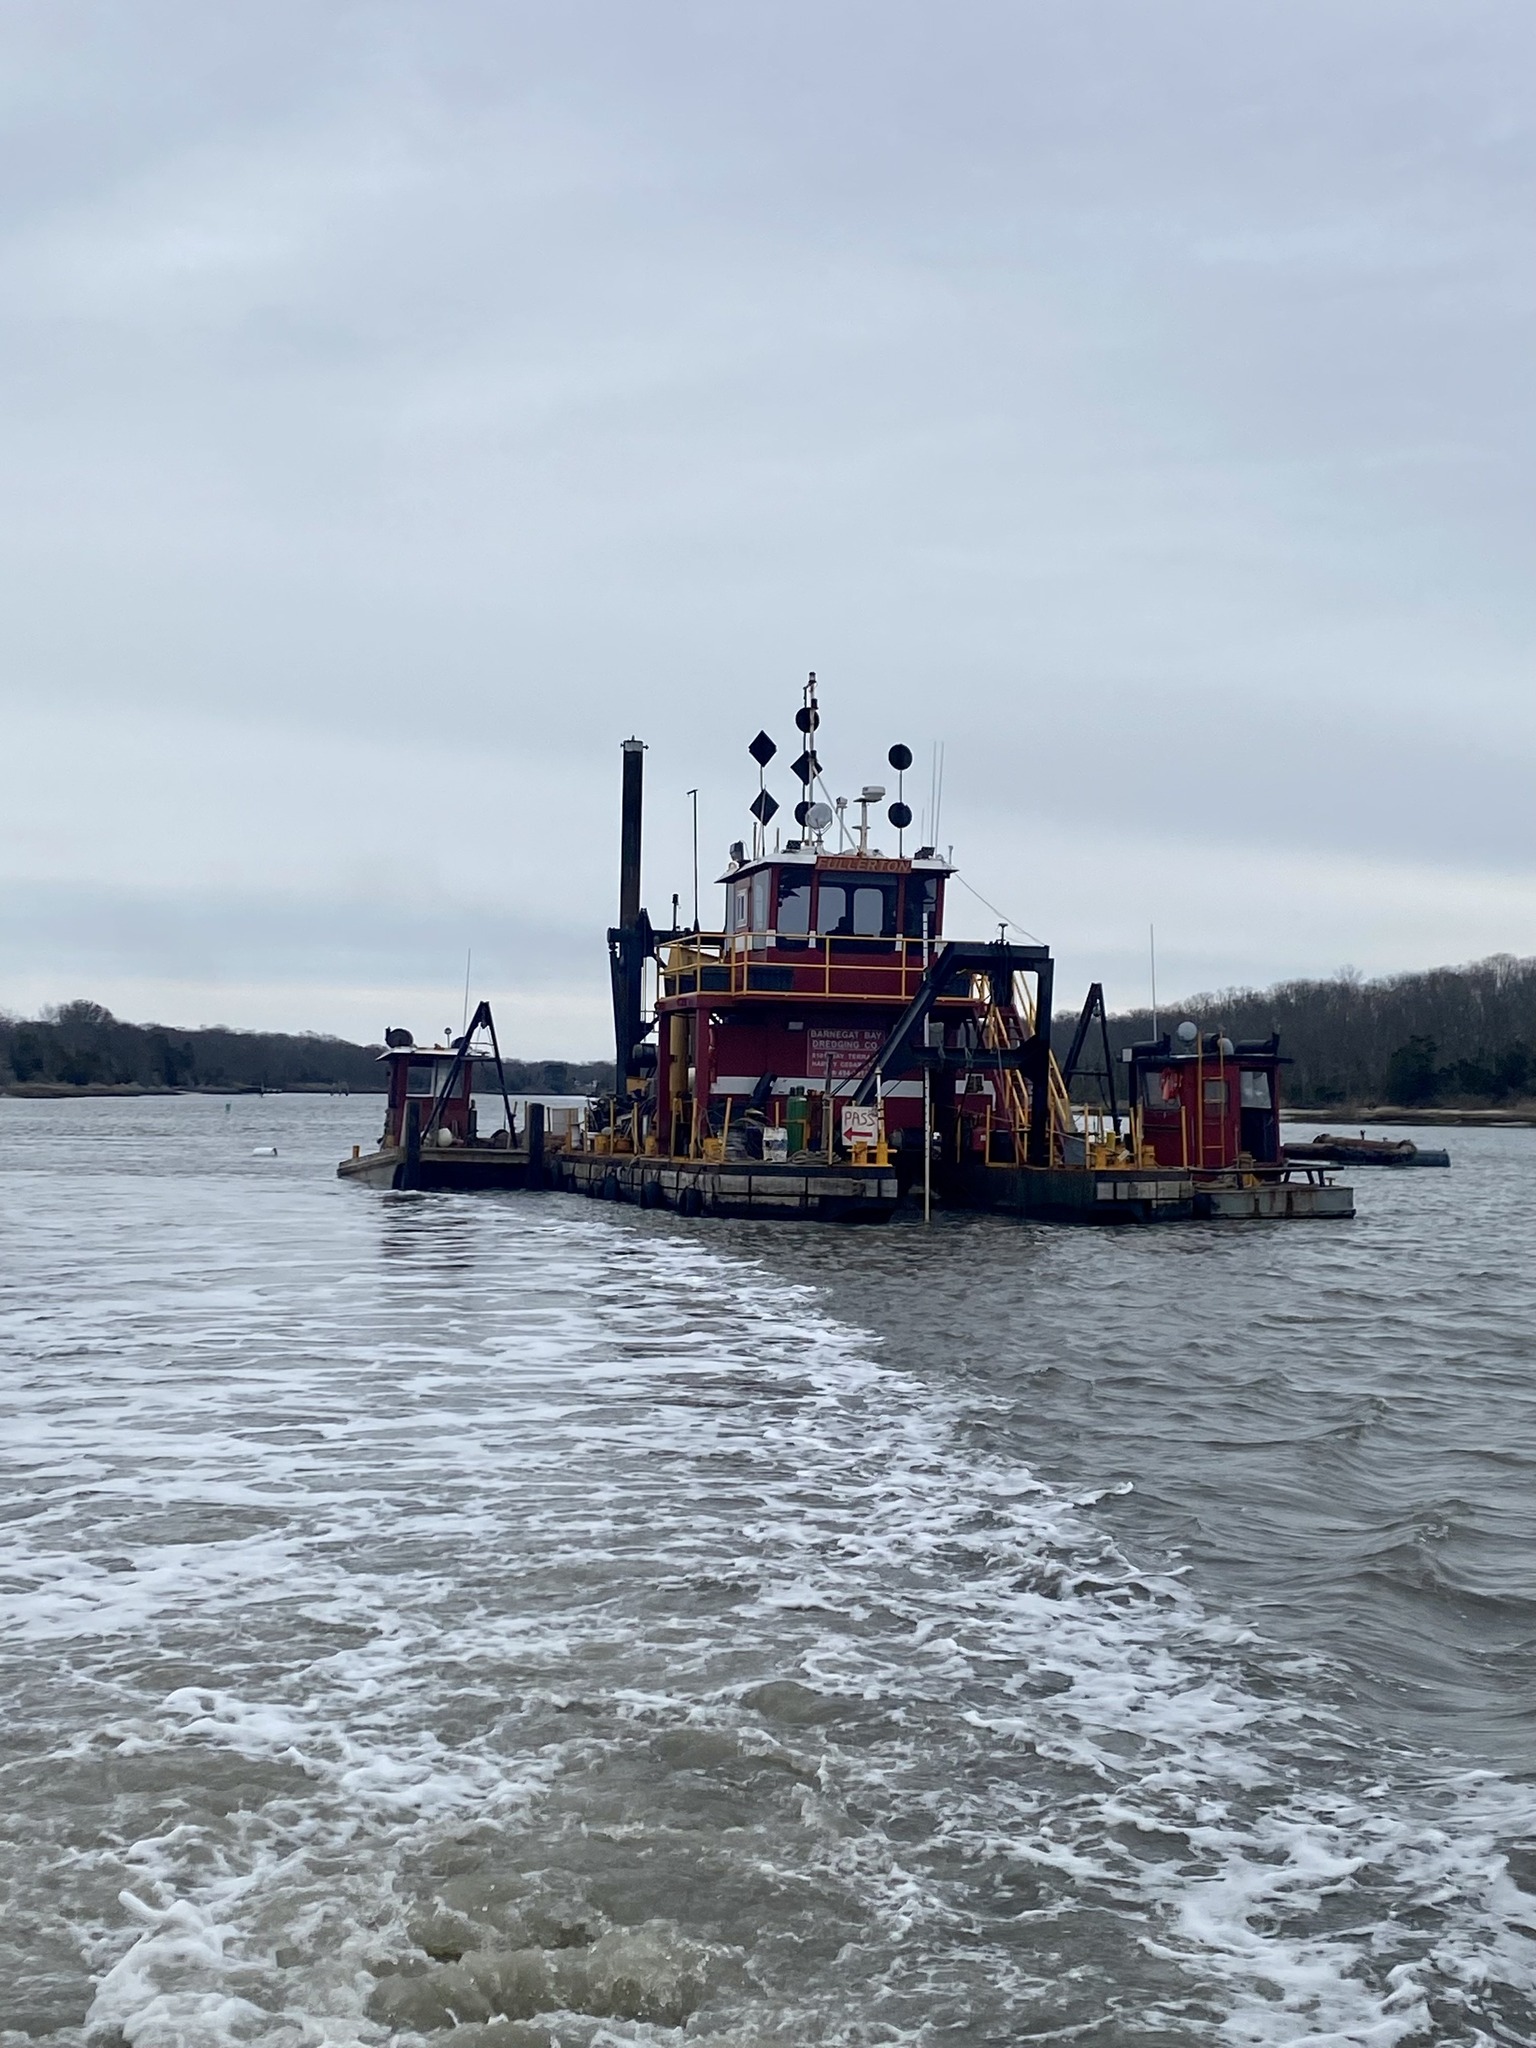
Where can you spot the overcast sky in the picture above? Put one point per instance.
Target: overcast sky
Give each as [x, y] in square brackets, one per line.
[402, 404]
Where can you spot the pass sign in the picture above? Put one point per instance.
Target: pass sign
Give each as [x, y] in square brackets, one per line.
[861, 1126]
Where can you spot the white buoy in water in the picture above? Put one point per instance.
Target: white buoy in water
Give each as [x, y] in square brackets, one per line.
[263, 1151]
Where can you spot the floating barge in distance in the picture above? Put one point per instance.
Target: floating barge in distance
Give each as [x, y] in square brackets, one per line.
[1328, 1150]
[828, 1053]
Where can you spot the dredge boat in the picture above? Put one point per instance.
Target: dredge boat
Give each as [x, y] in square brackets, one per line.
[829, 1051]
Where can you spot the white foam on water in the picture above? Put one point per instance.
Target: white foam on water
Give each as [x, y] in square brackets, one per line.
[340, 1570]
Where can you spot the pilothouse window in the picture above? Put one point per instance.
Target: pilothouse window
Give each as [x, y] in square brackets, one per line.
[794, 904]
[832, 909]
[922, 895]
[874, 910]
[856, 909]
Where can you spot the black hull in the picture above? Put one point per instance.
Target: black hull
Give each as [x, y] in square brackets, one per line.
[1070, 1194]
[451, 1170]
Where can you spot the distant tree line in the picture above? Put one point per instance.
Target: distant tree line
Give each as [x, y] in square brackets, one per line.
[1453, 1036]
[82, 1045]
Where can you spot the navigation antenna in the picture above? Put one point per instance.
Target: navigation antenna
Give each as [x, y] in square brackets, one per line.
[808, 768]
[694, 798]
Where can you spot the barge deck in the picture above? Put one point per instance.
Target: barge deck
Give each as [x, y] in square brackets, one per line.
[1141, 1195]
[806, 1192]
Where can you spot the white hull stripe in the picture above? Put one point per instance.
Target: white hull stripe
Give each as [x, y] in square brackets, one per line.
[743, 1084]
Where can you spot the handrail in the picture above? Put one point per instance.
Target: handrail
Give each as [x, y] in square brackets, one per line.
[891, 967]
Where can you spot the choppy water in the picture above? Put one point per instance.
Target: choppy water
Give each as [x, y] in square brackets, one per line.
[512, 1620]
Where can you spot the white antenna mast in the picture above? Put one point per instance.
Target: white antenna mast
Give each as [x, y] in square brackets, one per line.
[693, 795]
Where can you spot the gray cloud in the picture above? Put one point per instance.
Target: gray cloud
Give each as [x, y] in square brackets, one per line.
[399, 407]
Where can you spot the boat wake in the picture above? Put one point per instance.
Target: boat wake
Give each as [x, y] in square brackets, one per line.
[557, 1629]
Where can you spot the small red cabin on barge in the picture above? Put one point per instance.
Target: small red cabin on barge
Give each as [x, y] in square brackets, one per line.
[1208, 1105]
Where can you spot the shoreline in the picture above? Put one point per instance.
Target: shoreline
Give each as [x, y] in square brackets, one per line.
[1521, 1117]
[50, 1091]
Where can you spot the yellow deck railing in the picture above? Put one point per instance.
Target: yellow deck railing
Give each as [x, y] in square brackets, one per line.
[849, 966]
